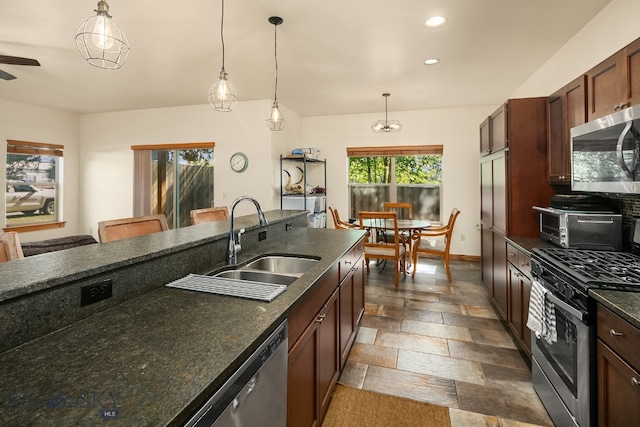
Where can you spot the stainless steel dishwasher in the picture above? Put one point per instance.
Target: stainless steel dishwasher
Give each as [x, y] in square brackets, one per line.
[256, 394]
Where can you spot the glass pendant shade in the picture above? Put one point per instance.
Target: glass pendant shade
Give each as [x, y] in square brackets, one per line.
[101, 41]
[276, 120]
[222, 95]
[386, 126]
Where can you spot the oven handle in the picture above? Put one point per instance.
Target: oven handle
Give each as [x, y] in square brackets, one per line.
[566, 307]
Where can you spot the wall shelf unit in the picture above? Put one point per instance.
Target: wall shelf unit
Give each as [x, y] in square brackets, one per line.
[296, 195]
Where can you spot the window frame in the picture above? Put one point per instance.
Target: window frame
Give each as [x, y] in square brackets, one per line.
[39, 148]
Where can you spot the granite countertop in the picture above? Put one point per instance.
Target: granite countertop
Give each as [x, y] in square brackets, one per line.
[624, 304]
[152, 360]
[527, 244]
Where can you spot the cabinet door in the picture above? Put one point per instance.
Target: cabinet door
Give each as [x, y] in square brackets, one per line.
[358, 291]
[618, 393]
[499, 193]
[556, 126]
[486, 235]
[328, 351]
[632, 61]
[498, 129]
[347, 317]
[500, 285]
[486, 192]
[302, 377]
[605, 86]
[485, 137]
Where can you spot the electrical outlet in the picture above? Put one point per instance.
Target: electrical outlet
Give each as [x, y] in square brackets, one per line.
[262, 235]
[90, 294]
[288, 226]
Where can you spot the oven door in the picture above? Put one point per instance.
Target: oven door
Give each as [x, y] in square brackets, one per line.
[562, 370]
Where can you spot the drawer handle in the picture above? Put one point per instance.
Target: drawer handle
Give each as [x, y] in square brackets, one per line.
[524, 264]
[512, 255]
[635, 382]
[347, 262]
[320, 318]
[613, 333]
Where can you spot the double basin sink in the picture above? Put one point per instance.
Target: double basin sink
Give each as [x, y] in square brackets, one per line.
[273, 269]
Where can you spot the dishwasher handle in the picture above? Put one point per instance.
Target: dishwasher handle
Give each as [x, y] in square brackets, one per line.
[246, 391]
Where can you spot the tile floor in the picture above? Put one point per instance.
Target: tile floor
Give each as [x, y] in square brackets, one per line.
[441, 342]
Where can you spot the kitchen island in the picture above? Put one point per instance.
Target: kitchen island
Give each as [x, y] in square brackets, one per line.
[153, 359]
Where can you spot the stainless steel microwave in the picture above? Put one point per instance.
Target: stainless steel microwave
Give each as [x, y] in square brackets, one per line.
[604, 153]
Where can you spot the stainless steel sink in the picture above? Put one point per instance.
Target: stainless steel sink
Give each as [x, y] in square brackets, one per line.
[282, 264]
[258, 276]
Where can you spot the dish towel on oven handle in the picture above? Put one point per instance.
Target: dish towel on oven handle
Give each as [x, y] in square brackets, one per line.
[542, 314]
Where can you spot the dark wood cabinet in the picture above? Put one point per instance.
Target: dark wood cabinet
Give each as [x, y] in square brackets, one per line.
[614, 84]
[493, 132]
[322, 329]
[485, 142]
[519, 280]
[566, 108]
[618, 371]
[511, 182]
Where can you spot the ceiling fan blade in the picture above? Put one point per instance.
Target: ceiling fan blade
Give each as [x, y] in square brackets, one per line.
[16, 60]
[6, 76]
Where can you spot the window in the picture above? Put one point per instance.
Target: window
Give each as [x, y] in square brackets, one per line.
[173, 180]
[396, 174]
[32, 185]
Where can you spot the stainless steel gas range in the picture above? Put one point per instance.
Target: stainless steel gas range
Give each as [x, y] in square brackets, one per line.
[564, 371]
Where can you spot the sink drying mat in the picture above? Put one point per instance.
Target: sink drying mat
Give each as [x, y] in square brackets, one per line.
[232, 287]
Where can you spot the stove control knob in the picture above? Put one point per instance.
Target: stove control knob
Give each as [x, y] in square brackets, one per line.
[570, 292]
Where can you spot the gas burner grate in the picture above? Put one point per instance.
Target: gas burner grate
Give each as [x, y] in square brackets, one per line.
[602, 269]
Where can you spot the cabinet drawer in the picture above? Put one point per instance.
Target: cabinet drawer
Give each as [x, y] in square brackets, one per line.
[620, 335]
[513, 255]
[524, 264]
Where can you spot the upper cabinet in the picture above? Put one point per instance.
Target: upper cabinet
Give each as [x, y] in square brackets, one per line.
[614, 84]
[493, 132]
[566, 108]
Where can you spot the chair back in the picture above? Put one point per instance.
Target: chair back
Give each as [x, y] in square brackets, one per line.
[377, 223]
[337, 222]
[216, 213]
[402, 210]
[10, 247]
[118, 229]
[449, 231]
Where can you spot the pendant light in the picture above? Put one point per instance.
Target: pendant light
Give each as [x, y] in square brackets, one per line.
[101, 41]
[222, 95]
[386, 125]
[276, 119]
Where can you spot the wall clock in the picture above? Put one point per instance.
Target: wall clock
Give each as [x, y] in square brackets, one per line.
[239, 162]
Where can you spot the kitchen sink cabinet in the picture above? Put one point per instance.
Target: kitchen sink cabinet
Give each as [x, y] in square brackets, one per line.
[614, 84]
[519, 279]
[618, 370]
[321, 331]
[511, 182]
[566, 108]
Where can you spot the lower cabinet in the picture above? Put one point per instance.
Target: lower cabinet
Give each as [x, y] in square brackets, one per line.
[519, 287]
[618, 371]
[322, 329]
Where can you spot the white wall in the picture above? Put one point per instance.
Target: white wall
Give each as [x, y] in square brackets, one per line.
[456, 129]
[24, 122]
[107, 158]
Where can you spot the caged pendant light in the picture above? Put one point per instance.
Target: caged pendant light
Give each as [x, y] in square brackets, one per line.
[101, 41]
[275, 120]
[386, 125]
[222, 95]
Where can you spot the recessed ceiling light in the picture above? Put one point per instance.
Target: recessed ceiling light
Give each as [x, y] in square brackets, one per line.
[431, 61]
[435, 21]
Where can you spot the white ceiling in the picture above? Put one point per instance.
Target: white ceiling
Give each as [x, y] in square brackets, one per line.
[334, 57]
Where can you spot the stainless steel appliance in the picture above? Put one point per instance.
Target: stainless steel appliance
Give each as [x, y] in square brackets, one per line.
[563, 372]
[604, 153]
[256, 394]
[581, 229]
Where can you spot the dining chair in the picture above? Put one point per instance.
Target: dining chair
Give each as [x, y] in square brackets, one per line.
[403, 211]
[434, 241]
[118, 229]
[338, 223]
[10, 247]
[383, 249]
[216, 213]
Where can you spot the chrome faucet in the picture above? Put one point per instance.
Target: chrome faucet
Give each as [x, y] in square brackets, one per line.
[234, 241]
